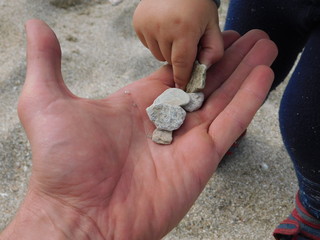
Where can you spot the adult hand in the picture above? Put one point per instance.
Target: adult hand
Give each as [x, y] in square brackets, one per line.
[96, 173]
[173, 30]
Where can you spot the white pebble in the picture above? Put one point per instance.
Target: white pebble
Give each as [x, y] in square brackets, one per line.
[173, 96]
[264, 166]
[196, 100]
[115, 2]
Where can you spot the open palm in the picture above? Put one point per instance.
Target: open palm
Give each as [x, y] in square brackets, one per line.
[96, 156]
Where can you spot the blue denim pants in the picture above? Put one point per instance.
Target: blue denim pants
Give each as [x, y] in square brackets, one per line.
[294, 25]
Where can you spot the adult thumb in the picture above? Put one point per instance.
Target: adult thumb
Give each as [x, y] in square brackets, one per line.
[43, 61]
[43, 83]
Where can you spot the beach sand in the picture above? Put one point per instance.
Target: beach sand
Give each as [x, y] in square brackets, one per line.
[250, 193]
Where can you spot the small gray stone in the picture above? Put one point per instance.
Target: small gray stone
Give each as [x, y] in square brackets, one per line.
[264, 166]
[195, 102]
[173, 96]
[198, 78]
[162, 136]
[115, 2]
[165, 116]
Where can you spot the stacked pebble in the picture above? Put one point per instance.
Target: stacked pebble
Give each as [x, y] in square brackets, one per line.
[168, 111]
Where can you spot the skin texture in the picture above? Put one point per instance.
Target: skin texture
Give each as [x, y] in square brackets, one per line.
[95, 172]
[177, 31]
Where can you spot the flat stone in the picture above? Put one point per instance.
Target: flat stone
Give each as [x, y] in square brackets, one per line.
[198, 78]
[173, 96]
[165, 116]
[162, 136]
[196, 101]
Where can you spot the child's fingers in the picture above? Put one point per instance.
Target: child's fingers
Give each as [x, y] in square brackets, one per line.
[183, 55]
[165, 48]
[211, 47]
[229, 37]
[154, 47]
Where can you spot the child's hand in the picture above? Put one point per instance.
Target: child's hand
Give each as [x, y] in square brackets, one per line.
[174, 31]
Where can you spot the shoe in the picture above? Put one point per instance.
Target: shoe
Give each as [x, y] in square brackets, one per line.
[300, 225]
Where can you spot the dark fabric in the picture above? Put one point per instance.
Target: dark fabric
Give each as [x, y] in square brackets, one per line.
[217, 2]
[300, 122]
[286, 22]
[294, 25]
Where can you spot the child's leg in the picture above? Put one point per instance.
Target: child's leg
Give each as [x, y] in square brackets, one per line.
[300, 127]
[300, 106]
[283, 20]
[300, 123]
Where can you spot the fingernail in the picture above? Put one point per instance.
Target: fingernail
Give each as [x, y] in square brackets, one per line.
[205, 63]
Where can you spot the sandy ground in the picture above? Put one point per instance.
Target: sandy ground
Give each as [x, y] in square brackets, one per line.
[249, 194]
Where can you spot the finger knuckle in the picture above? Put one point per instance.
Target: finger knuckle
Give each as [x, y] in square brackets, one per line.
[179, 60]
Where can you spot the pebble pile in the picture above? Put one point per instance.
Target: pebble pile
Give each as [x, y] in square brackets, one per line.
[169, 110]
